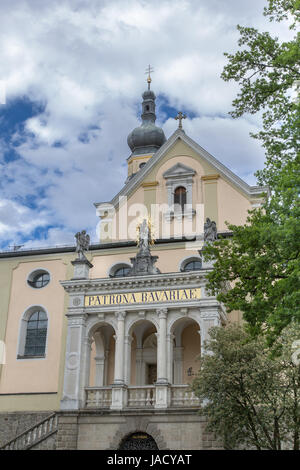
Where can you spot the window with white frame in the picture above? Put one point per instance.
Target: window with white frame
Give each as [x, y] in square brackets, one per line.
[33, 333]
[179, 183]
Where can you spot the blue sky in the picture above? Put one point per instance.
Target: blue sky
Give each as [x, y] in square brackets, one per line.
[73, 74]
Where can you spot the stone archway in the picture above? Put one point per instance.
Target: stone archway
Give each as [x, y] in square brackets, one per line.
[138, 441]
[138, 424]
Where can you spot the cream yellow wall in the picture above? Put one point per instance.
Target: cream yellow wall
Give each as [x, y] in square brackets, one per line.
[169, 258]
[35, 375]
[191, 350]
[92, 365]
[223, 200]
[111, 361]
[135, 161]
[232, 205]
[136, 198]
[6, 269]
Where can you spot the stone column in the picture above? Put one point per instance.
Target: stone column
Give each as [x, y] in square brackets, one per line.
[178, 364]
[119, 390]
[127, 371]
[106, 354]
[170, 338]
[99, 372]
[120, 348]
[162, 385]
[162, 346]
[139, 366]
[77, 362]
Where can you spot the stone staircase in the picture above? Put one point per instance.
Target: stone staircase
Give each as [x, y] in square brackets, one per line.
[36, 436]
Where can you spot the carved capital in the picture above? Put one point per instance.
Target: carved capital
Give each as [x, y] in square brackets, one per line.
[162, 312]
[120, 315]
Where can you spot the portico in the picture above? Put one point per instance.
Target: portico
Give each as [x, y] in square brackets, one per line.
[130, 355]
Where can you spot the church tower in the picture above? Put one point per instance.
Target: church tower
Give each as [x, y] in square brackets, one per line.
[146, 139]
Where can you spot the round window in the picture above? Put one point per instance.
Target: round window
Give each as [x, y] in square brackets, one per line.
[39, 279]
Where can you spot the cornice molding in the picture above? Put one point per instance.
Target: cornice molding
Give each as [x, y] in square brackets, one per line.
[130, 283]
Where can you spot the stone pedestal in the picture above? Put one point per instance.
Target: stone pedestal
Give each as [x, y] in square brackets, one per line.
[143, 264]
[119, 397]
[163, 395]
[82, 267]
[205, 264]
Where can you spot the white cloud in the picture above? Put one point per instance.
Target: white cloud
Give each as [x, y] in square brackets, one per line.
[85, 61]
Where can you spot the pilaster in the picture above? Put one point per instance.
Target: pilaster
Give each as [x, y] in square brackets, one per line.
[77, 363]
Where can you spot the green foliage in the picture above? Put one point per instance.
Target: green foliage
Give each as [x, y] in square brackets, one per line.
[250, 393]
[257, 271]
[267, 72]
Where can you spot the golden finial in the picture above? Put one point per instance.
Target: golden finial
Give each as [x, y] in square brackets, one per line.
[148, 71]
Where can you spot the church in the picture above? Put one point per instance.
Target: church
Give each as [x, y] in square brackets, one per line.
[102, 340]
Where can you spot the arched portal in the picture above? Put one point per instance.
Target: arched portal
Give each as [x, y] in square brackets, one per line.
[143, 353]
[138, 441]
[186, 350]
[102, 355]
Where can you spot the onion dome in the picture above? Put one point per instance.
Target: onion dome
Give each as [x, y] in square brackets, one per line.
[147, 138]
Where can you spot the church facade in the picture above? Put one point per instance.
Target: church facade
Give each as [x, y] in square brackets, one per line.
[102, 341]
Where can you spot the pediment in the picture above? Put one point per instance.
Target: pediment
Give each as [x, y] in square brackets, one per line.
[218, 167]
[178, 170]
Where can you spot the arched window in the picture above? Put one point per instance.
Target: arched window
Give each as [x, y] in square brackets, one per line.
[180, 197]
[191, 264]
[119, 270]
[36, 334]
[122, 272]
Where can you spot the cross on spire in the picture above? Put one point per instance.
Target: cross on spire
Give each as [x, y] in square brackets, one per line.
[180, 116]
[148, 71]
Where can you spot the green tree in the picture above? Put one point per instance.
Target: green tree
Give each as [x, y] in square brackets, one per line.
[257, 271]
[250, 393]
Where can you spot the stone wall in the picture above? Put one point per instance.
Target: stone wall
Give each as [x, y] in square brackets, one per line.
[94, 430]
[67, 433]
[14, 423]
[47, 444]
[172, 430]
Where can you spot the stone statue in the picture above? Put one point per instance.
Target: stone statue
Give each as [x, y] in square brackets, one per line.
[210, 231]
[83, 243]
[144, 236]
[143, 262]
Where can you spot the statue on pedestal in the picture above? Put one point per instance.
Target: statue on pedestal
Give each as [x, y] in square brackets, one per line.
[143, 262]
[144, 238]
[210, 231]
[82, 244]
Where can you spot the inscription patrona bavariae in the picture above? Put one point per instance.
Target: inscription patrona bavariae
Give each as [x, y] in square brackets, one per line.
[174, 295]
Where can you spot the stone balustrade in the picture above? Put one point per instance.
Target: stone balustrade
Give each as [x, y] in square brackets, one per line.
[98, 397]
[34, 435]
[141, 397]
[182, 395]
